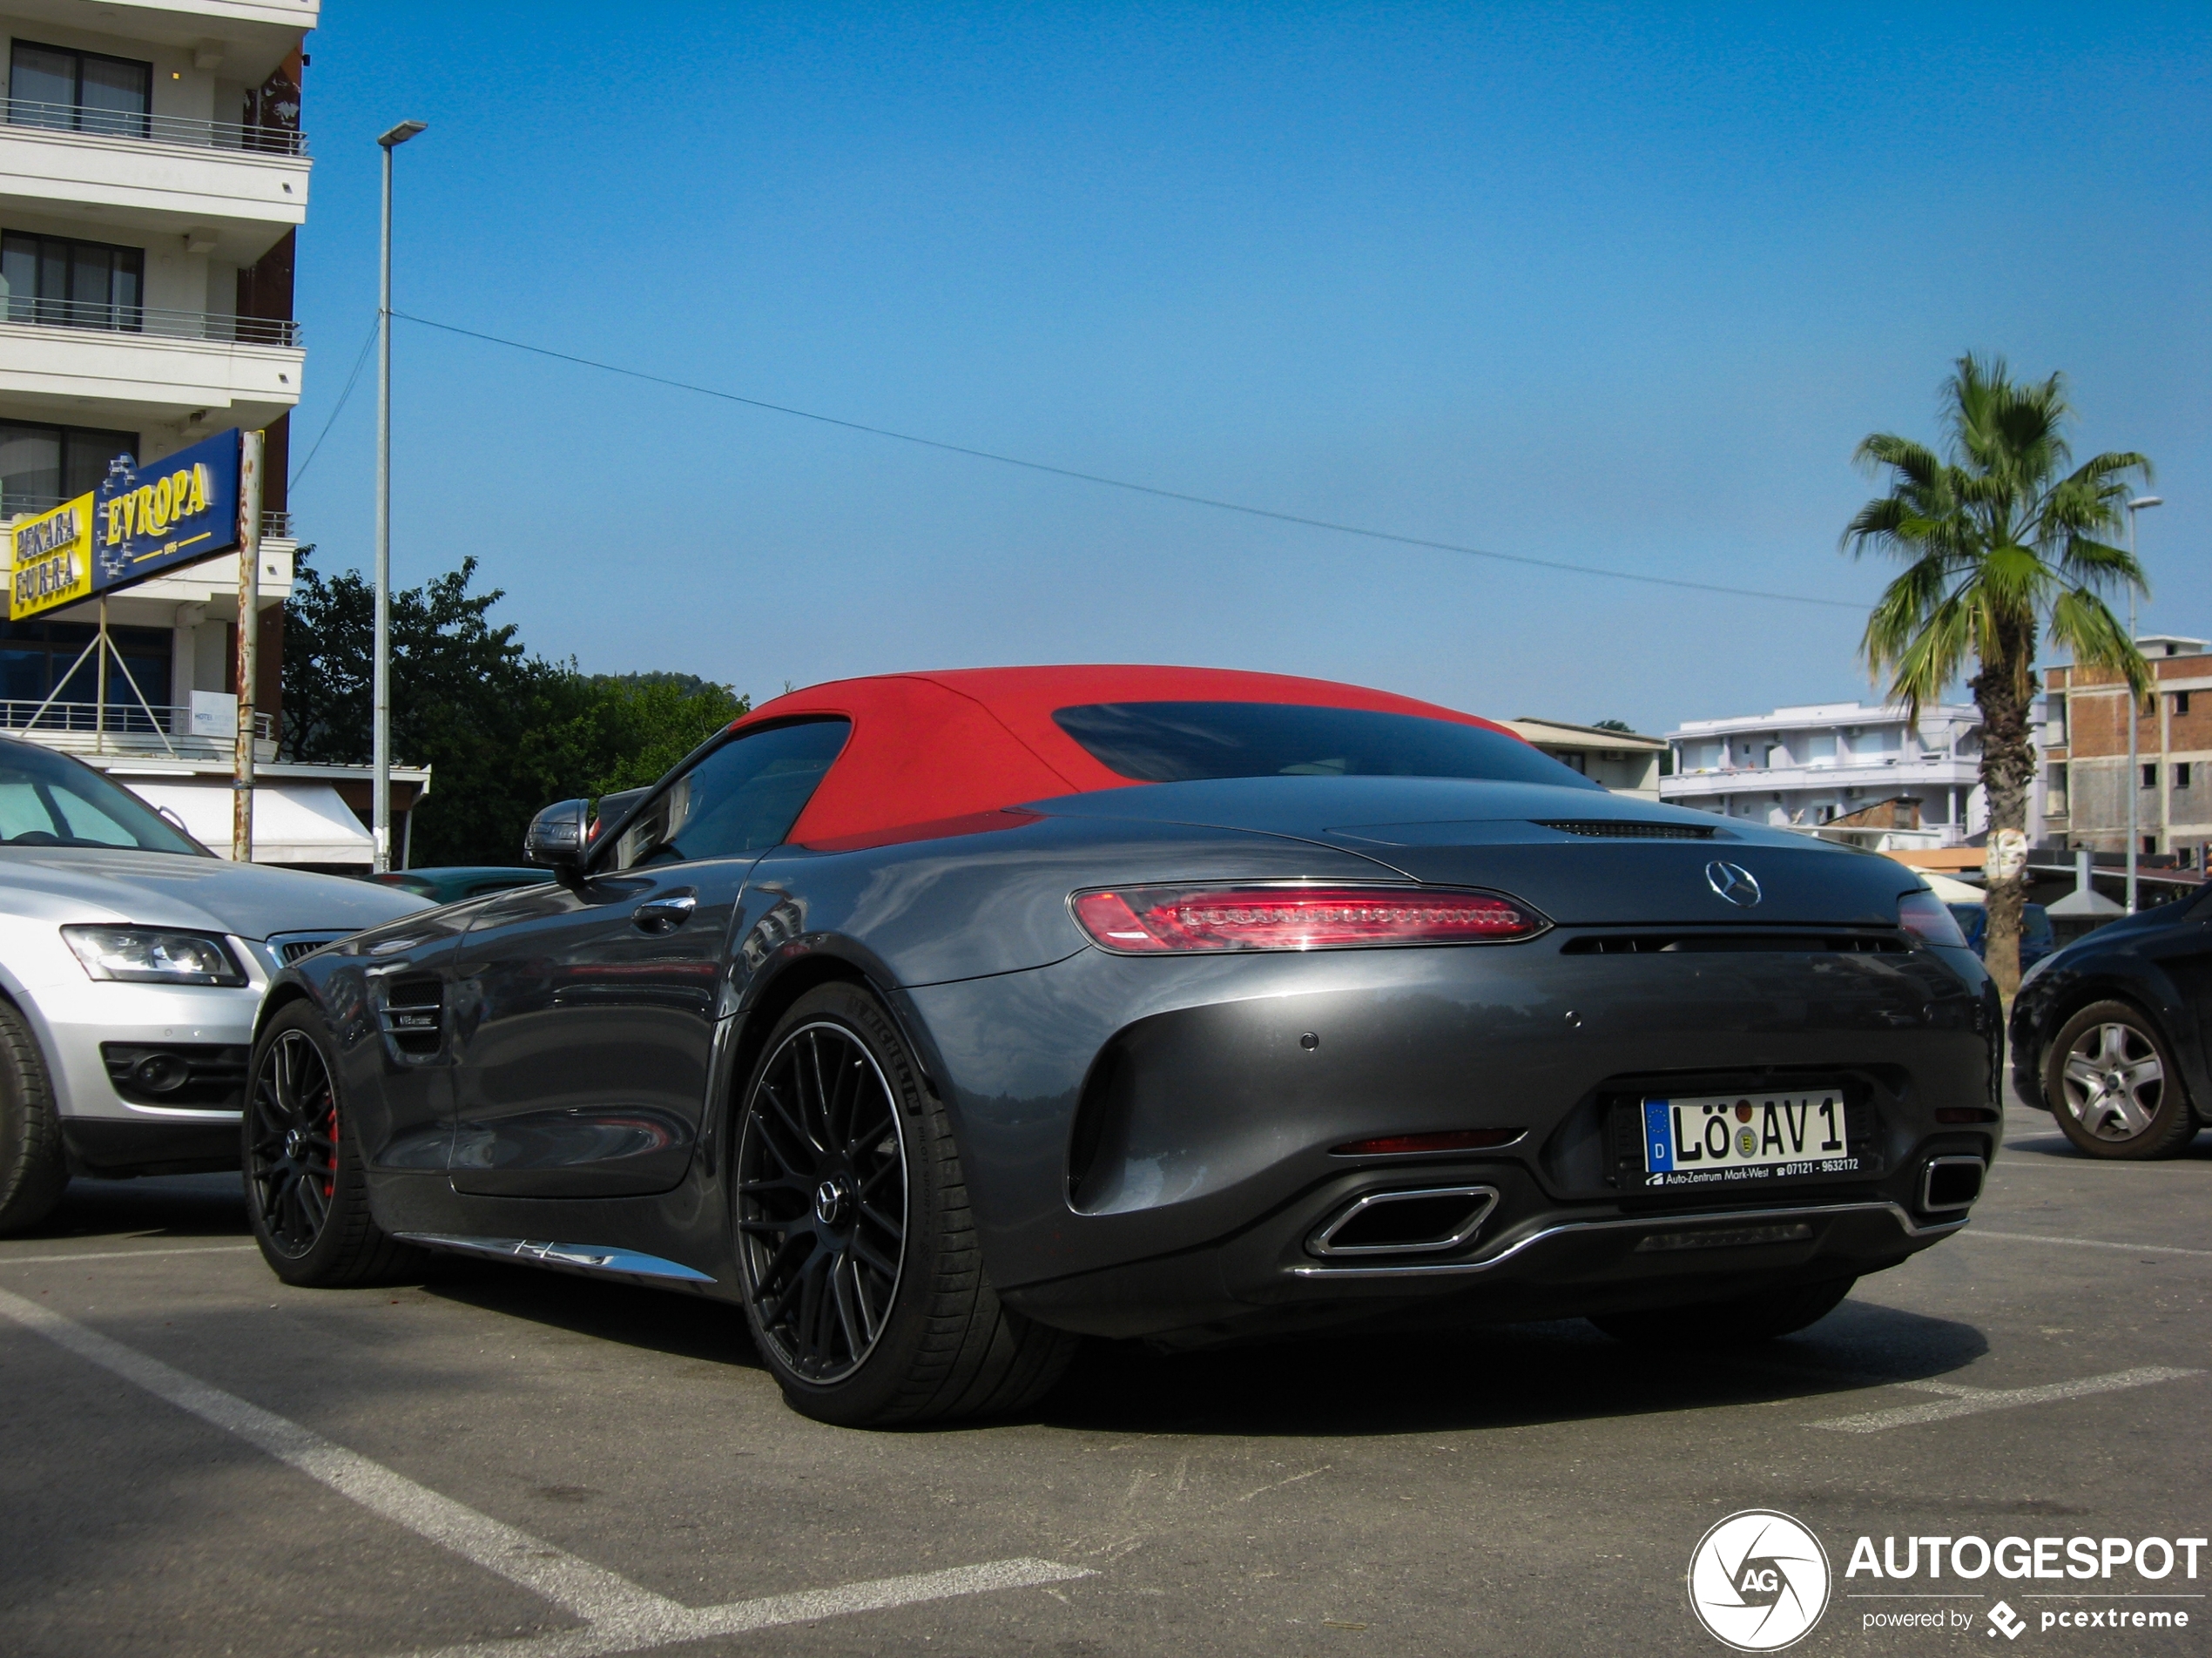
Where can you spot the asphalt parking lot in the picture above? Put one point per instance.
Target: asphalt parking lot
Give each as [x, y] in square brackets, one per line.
[196, 1459]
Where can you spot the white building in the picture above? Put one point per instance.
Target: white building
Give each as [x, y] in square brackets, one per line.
[1625, 762]
[153, 179]
[1806, 767]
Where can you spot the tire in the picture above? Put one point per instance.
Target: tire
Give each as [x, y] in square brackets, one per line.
[34, 1170]
[1738, 1322]
[863, 1279]
[306, 1193]
[2110, 1081]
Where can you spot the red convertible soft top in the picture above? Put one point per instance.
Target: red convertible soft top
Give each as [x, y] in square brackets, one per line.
[929, 747]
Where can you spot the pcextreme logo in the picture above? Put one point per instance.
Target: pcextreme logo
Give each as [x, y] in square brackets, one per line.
[1759, 1581]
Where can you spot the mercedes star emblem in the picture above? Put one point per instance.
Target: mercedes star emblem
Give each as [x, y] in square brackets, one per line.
[1733, 882]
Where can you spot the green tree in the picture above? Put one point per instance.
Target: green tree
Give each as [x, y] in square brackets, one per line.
[2003, 541]
[503, 731]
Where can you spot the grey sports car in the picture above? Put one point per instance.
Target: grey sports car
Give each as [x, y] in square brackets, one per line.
[940, 1019]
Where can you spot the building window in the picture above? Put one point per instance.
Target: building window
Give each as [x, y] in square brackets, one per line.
[43, 466]
[2150, 775]
[2150, 845]
[2180, 774]
[41, 659]
[2054, 732]
[2150, 704]
[80, 91]
[2054, 795]
[72, 284]
[2181, 702]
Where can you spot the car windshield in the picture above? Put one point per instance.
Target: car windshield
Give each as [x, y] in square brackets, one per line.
[48, 800]
[1183, 742]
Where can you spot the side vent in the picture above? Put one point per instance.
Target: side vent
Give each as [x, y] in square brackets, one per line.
[414, 1015]
[1609, 829]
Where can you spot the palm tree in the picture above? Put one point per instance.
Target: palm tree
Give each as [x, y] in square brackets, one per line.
[2001, 543]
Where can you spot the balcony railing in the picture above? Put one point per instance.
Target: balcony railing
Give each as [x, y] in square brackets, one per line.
[276, 526]
[156, 129]
[152, 319]
[129, 728]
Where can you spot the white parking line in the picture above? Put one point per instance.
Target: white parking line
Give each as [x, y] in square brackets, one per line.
[127, 1255]
[618, 1616]
[1960, 1400]
[743, 1617]
[2082, 1243]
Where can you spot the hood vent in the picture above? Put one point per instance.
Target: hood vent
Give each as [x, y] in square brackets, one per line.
[1612, 829]
[291, 946]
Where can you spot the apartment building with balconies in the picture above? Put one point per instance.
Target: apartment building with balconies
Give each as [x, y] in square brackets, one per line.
[2086, 763]
[154, 174]
[1825, 763]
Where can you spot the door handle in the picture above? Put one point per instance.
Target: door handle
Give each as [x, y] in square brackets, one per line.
[663, 914]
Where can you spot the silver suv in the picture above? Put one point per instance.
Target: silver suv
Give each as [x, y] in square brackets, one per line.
[132, 963]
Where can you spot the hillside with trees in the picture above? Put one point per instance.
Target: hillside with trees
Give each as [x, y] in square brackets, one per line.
[505, 731]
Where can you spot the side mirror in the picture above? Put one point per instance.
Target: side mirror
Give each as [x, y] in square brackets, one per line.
[556, 836]
[613, 808]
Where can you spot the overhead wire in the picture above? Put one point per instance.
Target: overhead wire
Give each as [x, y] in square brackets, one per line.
[359, 361]
[1211, 502]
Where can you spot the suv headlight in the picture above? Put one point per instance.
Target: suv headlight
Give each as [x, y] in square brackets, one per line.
[154, 955]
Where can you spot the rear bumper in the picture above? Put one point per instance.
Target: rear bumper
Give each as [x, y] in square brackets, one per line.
[1149, 1144]
[1530, 1260]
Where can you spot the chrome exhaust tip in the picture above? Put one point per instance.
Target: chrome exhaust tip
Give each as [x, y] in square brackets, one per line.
[1951, 1183]
[1424, 1220]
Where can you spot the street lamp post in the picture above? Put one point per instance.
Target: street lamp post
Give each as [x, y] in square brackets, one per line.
[381, 793]
[2135, 714]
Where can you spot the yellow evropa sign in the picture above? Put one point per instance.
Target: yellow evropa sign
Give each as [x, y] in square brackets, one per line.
[51, 559]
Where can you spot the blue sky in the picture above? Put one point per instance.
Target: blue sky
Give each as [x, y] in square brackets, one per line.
[1616, 286]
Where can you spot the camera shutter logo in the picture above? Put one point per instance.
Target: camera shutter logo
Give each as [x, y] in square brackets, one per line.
[1759, 1580]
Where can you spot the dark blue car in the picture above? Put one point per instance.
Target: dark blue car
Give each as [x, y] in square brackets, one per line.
[2036, 938]
[2110, 1033]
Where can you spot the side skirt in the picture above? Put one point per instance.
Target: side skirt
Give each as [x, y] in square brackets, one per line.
[593, 1260]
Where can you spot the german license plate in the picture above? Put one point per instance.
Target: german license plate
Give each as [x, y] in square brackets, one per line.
[1711, 1138]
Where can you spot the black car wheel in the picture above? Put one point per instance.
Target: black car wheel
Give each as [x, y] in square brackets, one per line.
[2111, 1082]
[33, 1170]
[1736, 1322]
[864, 1282]
[304, 1189]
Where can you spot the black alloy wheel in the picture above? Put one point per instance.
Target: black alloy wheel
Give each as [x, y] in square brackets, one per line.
[291, 1145]
[2113, 1087]
[863, 1277]
[822, 1202]
[305, 1191]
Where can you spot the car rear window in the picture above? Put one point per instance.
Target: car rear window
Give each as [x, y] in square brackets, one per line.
[1183, 742]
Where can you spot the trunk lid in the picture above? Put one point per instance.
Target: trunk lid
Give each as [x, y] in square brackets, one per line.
[1584, 857]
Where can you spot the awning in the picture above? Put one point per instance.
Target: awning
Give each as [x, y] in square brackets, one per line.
[1953, 891]
[293, 823]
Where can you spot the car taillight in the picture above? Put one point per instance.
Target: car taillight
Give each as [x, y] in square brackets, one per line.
[1146, 921]
[1929, 918]
[1397, 1145]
